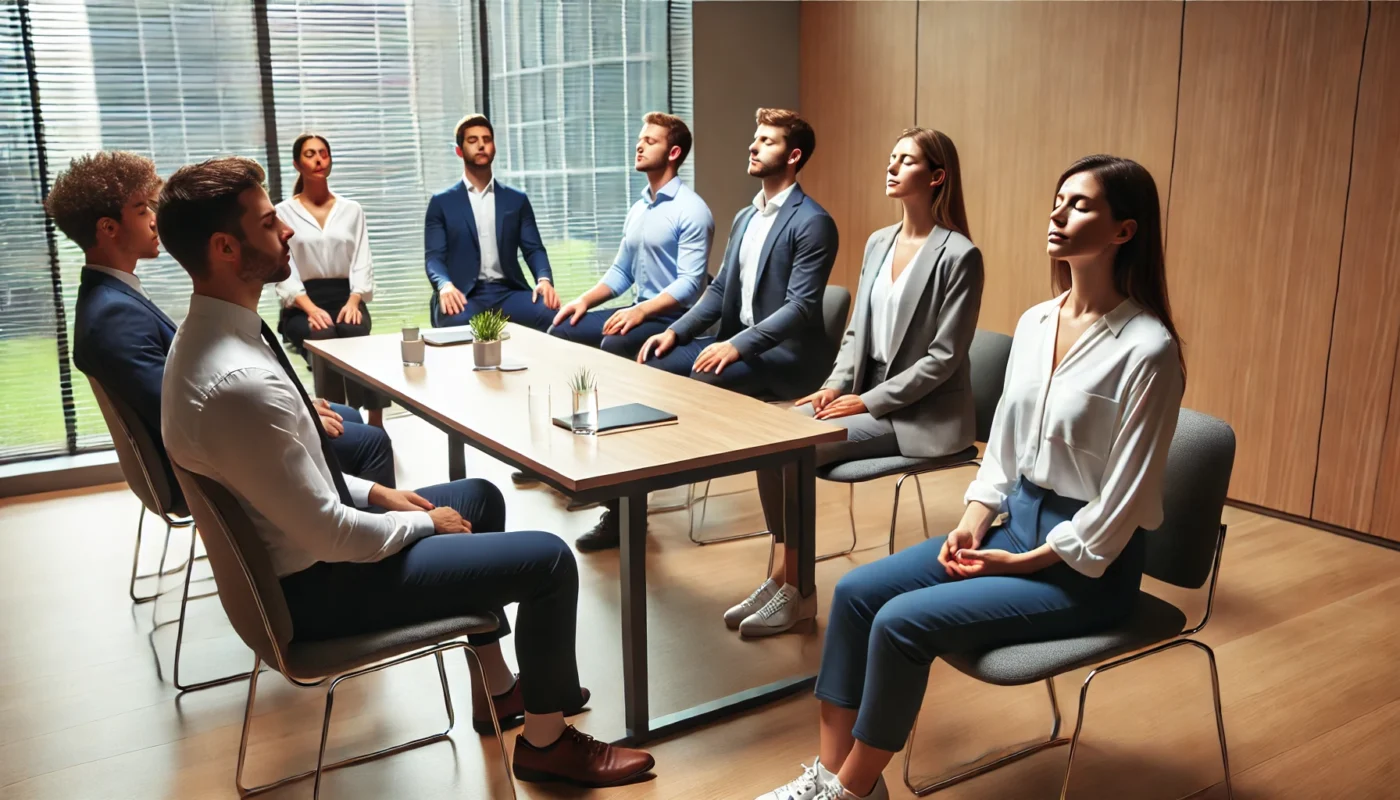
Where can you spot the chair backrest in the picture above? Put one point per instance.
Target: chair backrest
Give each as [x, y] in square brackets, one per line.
[988, 355]
[143, 462]
[836, 304]
[1183, 550]
[248, 588]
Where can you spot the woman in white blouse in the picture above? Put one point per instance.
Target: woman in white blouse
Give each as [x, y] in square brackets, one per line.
[1076, 460]
[332, 278]
[901, 384]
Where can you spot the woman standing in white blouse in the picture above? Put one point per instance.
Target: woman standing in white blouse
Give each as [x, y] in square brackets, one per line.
[1076, 459]
[332, 278]
[901, 384]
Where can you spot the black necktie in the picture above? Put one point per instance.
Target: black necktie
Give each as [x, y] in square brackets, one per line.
[326, 450]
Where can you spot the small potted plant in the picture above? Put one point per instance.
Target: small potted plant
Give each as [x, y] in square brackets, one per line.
[585, 390]
[487, 328]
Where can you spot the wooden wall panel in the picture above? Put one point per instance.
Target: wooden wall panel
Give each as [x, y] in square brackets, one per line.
[1386, 520]
[1026, 88]
[1361, 367]
[857, 90]
[1268, 95]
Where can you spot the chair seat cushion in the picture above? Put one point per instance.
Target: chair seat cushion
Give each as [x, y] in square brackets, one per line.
[1153, 620]
[307, 660]
[868, 469]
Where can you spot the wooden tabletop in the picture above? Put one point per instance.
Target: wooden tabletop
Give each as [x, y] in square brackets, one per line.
[491, 409]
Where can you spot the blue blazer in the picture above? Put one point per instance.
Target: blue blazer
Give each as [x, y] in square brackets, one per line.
[452, 248]
[121, 338]
[793, 268]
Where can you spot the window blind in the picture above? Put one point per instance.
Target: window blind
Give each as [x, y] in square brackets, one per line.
[174, 80]
[384, 82]
[569, 83]
[32, 420]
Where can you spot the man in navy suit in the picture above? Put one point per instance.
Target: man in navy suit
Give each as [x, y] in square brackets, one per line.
[472, 236]
[767, 297]
[105, 204]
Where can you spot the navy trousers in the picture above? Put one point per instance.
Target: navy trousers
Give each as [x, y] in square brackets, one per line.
[891, 618]
[363, 450]
[740, 376]
[452, 574]
[589, 331]
[514, 303]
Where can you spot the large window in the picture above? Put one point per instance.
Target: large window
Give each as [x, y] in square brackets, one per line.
[566, 82]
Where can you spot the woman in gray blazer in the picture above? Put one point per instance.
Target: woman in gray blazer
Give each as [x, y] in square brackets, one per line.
[901, 384]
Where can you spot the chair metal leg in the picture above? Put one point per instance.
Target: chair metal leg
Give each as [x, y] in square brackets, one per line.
[321, 766]
[851, 513]
[704, 506]
[180, 632]
[1054, 740]
[1215, 694]
[495, 722]
[923, 512]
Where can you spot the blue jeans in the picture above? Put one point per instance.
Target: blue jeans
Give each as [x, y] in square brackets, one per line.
[589, 331]
[486, 295]
[452, 574]
[363, 450]
[891, 618]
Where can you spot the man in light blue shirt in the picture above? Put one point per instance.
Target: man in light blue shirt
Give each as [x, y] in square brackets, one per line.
[664, 252]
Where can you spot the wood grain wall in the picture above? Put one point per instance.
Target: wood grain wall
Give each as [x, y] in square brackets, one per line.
[1021, 106]
[1254, 231]
[857, 90]
[1283, 260]
[1361, 369]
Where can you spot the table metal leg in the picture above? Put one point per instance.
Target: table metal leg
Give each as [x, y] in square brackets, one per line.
[632, 519]
[805, 524]
[456, 458]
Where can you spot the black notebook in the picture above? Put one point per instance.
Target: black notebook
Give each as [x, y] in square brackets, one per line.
[632, 415]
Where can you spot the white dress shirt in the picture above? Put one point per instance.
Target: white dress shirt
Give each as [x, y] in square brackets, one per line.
[484, 209]
[230, 412]
[128, 278]
[885, 296]
[751, 247]
[1097, 429]
[340, 250]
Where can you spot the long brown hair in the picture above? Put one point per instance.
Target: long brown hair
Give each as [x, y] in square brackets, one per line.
[939, 151]
[1139, 268]
[296, 155]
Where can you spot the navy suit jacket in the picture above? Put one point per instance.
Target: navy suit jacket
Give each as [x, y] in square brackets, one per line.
[121, 339]
[793, 268]
[452, 248]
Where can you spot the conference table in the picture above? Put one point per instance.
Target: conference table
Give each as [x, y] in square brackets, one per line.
[717, 433]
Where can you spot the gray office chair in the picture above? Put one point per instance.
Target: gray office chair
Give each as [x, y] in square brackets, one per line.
[836, 305]
[1185, 551]
[144, 470]
[252, 597]
[143, 465]
[988, 356]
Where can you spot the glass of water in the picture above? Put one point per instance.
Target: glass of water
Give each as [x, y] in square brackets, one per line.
[541, 410]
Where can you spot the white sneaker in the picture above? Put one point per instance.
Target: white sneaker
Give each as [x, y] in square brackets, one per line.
[811, 783]
[778, 615]
[757, 600]
[833, 790]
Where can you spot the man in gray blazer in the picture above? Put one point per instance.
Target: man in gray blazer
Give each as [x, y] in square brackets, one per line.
[767, 298]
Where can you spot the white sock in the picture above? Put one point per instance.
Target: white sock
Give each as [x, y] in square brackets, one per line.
[499, 678]
[543, 730]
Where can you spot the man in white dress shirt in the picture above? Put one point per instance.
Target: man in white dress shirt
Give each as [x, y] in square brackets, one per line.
[355, 557]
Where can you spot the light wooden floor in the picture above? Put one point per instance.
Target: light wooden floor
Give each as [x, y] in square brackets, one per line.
[1305, 630]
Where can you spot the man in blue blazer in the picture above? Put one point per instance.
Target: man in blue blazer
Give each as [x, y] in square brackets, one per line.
[472, 236]
[767, 298]
[105, 204]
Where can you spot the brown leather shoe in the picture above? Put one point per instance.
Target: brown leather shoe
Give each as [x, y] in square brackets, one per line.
[510, 708]
[579, 759]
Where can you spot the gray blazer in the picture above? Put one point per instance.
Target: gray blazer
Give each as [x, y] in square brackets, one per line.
[927, 393]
